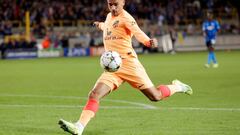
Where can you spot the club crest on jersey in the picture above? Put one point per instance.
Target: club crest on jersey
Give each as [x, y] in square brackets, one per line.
[108, 32]
[115, 24]
[133, 23]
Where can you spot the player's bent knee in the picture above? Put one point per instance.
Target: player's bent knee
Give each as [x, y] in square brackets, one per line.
[155, 99]
[152, 94]
[99, 91]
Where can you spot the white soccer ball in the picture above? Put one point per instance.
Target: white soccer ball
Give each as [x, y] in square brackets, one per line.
[110, 61]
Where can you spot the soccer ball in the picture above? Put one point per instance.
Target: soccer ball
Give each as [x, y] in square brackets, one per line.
[110, 61]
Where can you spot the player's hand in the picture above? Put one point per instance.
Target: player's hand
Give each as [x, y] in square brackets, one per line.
[96, 24]
[204, 34]
[153, 43]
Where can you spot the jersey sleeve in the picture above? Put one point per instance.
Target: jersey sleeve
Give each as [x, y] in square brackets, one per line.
[102, 24]
[131, 25]
[217, 25]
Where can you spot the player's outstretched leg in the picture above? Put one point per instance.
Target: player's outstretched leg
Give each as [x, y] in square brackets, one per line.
[72, 128]
[176, 87]
[164, 91]
[207, 65]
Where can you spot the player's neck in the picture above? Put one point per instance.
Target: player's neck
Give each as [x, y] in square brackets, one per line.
[113, 16]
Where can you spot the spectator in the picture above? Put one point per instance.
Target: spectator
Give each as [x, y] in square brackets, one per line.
[46, 43]
[65, 45]
[173, 36]
[3, 48]
[7, 28]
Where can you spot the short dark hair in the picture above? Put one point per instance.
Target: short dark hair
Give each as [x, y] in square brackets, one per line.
[209, 14]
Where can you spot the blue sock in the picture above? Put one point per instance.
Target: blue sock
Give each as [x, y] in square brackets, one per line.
[209, 57]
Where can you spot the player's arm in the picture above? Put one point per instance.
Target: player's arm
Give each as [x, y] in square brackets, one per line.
[217, 26]
[204, 30]
[99, 25]
[131, 25]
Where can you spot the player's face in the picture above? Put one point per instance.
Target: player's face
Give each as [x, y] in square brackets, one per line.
[116, 6]
[209, 16]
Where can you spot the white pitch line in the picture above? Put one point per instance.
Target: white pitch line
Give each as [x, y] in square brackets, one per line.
[64, 106]
[144, 106]
[118, 107]
[201, 109]
[136, 105]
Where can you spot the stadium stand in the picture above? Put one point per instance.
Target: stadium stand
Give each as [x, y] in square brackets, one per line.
[54, 19]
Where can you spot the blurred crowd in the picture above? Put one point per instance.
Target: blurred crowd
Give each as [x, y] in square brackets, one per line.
[174, 11]
[187, 13]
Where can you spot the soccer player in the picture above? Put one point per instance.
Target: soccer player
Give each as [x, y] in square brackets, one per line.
[118, 29]
[210, 29]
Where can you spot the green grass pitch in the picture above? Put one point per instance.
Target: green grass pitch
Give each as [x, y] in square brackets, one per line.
[35, 94]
